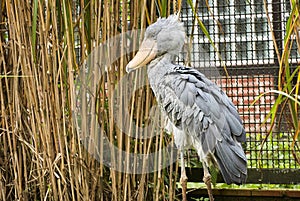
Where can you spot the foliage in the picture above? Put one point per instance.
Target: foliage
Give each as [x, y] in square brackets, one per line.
[274, 153]
[193, 185]
[287, 102]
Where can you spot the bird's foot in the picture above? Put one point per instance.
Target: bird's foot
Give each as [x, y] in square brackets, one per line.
[207, 181]
[183, 179]
[183, 182]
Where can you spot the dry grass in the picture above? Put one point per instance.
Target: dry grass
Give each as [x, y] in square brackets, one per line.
[41, 156]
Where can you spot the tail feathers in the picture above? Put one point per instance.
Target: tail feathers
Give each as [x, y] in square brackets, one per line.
[232, 162]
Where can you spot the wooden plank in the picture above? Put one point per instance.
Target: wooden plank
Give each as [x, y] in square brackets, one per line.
[257, 192]
[246, 194]
[255, 176]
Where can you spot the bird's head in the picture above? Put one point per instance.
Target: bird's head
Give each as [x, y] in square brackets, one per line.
[166, 36]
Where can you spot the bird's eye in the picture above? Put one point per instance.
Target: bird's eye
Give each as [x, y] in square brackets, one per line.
[152, 31]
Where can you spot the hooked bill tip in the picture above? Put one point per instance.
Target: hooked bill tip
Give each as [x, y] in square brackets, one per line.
[128, 70]
[129, 67]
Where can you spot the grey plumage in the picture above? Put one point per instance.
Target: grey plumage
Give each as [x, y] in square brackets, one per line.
[206, 117]
[199, 112]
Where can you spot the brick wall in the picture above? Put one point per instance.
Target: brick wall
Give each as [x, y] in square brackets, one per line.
[243, 90]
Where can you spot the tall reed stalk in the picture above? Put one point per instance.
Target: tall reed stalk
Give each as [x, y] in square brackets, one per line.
[43, 46]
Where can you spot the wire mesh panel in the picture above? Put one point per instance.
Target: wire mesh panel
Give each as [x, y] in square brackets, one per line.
[244, 44]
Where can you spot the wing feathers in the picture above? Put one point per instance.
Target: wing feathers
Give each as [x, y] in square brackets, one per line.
[202, 110]
[232, 163]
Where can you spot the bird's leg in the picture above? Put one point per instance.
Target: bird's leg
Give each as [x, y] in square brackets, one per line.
[207, 181]
[183, 177]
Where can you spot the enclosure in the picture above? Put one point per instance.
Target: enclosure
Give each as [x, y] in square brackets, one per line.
[75, 126]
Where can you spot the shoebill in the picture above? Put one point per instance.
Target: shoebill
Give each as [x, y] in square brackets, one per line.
[198, 112]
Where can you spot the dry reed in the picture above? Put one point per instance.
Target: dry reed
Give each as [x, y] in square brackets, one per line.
[43, 45]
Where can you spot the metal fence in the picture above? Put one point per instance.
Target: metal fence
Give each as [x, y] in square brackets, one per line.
[241, 33]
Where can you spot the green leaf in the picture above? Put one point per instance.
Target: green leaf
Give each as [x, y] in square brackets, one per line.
[214, 175]
[33, 30]
[164, 6]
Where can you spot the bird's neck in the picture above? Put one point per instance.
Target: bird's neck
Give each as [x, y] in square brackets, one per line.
[158, 68]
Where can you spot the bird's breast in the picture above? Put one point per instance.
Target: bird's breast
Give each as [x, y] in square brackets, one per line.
[182, 139]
